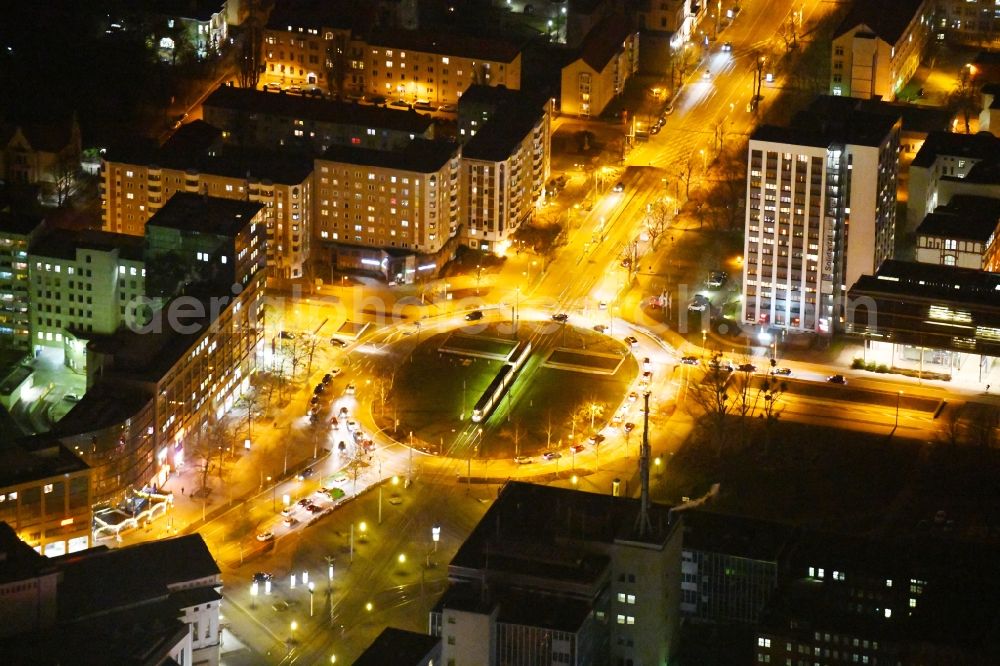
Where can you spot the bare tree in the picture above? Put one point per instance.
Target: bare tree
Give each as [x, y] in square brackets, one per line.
[964, 99]
[67, 170]
[789, 32]
[710, 398]
[686, 172]
[629, 257]
[770, 394]
[250, 65]
[658, 221]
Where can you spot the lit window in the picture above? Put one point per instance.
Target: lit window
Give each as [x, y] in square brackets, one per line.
[621, 619]
[888, 612]
[445, 61]
[47, 488]
[12, 496]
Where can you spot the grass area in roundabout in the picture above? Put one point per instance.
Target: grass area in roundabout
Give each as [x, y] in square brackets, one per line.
[433, 393]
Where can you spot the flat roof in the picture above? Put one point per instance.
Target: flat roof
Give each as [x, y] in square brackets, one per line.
[104, 404]
[317, 109]
[738, 536]
[525, 606]
[23, 464]
[64, 244]
[820, 129]
[419, 155]
[916, 117]
[447, 43]
[399, 648]
[980, 146]
[966, 217]
[18, 560]
[186, 211]
[503, 133]
[916, 280]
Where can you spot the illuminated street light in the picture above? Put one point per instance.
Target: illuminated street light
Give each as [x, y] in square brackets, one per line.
[435, 536]
[402, 558]
[293, 626]
[312, 588]
[254, 591]
[368, 607]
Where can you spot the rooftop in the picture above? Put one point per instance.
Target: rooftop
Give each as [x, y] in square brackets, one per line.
[965, 217]
[529, 607]
[186, 211]
[318, 110]
[739, 536]
[103, 405]
[447, 44]
[398, 647]
[16, 224]
[18, 560]
[933, 282]
[420, 156]
[100, 579]
[915, 117]
[981, 146]
[605, 40]
[24, 464]
[887, 19]
[503, 132]
[65, 243]
[814, 127]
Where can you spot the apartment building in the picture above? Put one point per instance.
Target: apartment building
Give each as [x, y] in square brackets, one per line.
[388, 213]
[41, 152]
[962, 233]
[608, 57]
[138, 181]
[278, 121]
[437, 67]
[307, 44]
[821, 198]
[973, 22]
[505, 162]
[200, 27]
[552, 575]
[151, 603]
[878, 46]
[950, 164]
[80, 284]
[45, 497]
[17, 233]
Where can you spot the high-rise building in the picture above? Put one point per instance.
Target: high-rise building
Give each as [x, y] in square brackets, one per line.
[505, 162]
[388, 213]
[821, 212]
[17, 232]
[558, 576]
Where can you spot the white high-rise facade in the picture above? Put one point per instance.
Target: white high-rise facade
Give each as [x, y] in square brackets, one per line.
[821, 199]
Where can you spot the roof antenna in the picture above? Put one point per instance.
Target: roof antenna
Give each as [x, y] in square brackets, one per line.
[642, 523]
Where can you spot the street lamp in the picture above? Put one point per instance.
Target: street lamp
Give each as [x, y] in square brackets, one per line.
[274, 497]
[657, 461]
[898, 396]
[704, 337]
[402, 558]
[254, 591]
[435, 535]
[293, 626]
[312, 587]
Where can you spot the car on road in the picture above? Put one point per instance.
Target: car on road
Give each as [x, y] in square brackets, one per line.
[337, 342]
[601, 328]
[522, 460]
[305, 474]
[475, 315]
[647, 364]
[561, 317]
[319, 388]
[265, 536]
[747, 367]
[837, 379]
[352, 425]
[782, 371]
[287, 511]
[399, 104]
[721, 364]
[619, 187]
[71, 397]
[699, 303]
[552, 455]
[447, 108]
[633, 396]
[423, 105]
[727, 47]
[262, 577]
[576, 448]
[312, 508]
[285, 335]
[632, 341]
[351, 389]
[628, 427]
[343, 413]
[689, 360]
[289, 521]
[596, 438]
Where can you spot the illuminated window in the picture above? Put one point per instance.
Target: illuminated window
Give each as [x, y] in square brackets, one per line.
[47, 488]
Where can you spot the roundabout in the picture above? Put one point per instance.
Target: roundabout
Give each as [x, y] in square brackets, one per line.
[551, 384]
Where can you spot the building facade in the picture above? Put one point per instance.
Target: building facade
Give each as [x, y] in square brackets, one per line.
[388, 213]
[80, 285]
[608, 57]
[820, 213]
[436, 67]
[962, 233]
[45, 497]
[17, 233]
[42, 153]
[878, 46]
[973, 22]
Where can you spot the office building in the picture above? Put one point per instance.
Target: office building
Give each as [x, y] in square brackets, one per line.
[962, 233]
[17, 233]
[152, 603]
[821, 212]
[391, 214]
[436, 67]
[608, 57]
[973, 22]
[878, 46]
[45, 498]
[551, 575]
[278, 121]
[505, 162]
[139, 180]
[81, 283]
[401, 648]
[154, 382]
[950, 164]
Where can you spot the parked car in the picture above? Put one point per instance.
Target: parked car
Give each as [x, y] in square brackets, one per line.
[783, 371]
[265, 536]
[601, 328]
[552, 455]
[399, 104]
[632, 341]
[576, 448]
[475, 315]
[633, 396]
[337, 342]
[287, 511]
[262, 577]
[319, 388]
[522, 460]
[837, 379]
[647, 364]
[689, 360]
[423, 105]
[351, 389]
[327, 378]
